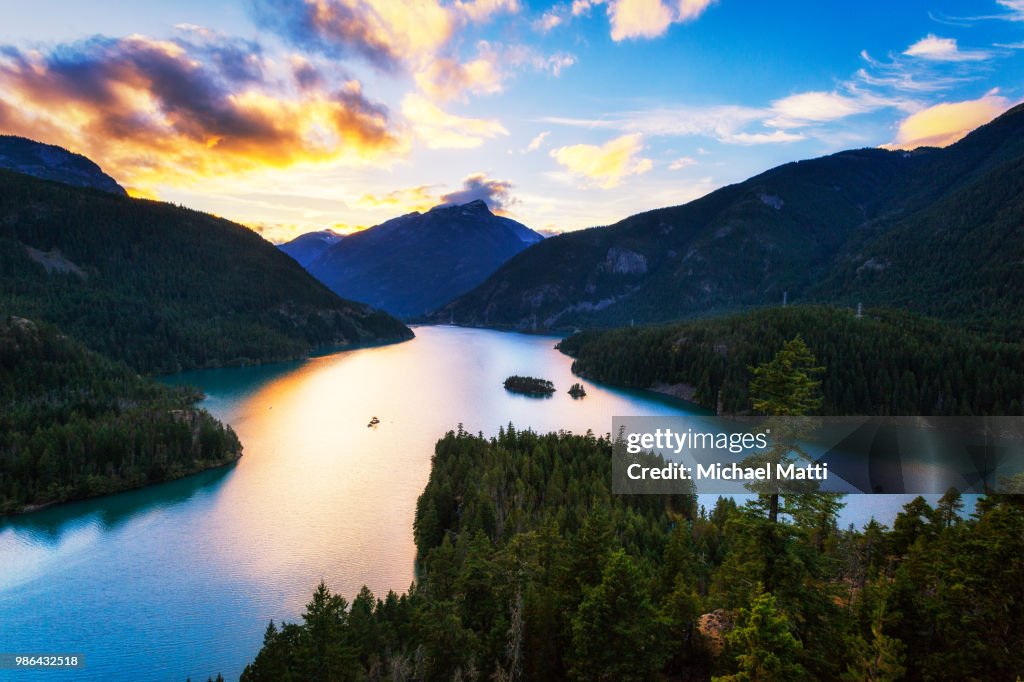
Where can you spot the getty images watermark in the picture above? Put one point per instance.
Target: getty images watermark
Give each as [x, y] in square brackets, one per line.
[732, 455]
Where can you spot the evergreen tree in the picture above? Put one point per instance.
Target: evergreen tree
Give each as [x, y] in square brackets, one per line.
[614, 631]
[765, 649]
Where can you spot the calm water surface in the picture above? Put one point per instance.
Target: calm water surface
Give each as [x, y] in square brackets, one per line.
[179, 580]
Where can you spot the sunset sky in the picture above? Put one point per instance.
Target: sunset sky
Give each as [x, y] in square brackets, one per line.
[295, 115]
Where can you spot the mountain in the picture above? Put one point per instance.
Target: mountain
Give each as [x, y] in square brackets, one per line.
[410, 265]
[306, 248]
[934, 230]
[50, 162]
[162, 287]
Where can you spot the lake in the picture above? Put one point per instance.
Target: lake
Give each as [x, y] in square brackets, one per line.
[179, 580]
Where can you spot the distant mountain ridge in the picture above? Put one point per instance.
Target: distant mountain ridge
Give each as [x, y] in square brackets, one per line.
[934, 230]
[50, 162]
[307, 247]
[412, 264]
[161, 287]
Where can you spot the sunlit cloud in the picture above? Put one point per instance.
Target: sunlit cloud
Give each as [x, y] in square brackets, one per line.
[446, 79]
[408, 36]
[439, 129]
[628, 19]
[650, 18]
[408, 199]
[943, 124]
[497, 194]
[175, 111]
[384, 33]
[606, 164]
[938, 49]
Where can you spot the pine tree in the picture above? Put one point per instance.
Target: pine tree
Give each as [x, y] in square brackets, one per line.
[614, 630]
[786, 387]
[766, 650]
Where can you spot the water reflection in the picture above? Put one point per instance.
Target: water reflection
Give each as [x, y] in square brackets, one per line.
[180, 579]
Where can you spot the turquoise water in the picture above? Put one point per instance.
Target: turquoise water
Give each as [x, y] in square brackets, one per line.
[179, 580]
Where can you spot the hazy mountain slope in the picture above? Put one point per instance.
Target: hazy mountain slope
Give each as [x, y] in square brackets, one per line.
[306, 248]
[50, 162]
[798, 228]
[163, 287]
[412, 264]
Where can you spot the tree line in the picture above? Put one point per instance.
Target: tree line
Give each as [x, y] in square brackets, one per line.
[74, 424]
[885, 362]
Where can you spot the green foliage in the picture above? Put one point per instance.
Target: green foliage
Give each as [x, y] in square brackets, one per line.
[74, 424]
[764, 647]
[785, 386]
[531, 570]
[160, 287]
[885, 363]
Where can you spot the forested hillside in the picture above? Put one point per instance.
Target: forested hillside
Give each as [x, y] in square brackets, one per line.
[74, 424]
[163, 287]
[884, 363]
[936, 231]
[532, 570]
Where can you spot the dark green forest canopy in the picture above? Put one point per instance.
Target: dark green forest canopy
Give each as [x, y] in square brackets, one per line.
[530, 569]
[162, 287]
[74, 424]
[884, 363]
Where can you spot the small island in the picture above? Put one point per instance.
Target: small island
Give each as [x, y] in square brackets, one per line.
[529, 386]
[577, 391]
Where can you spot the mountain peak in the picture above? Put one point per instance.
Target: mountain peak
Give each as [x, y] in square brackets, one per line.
[50, 162]
[412, 264]
[475, 206]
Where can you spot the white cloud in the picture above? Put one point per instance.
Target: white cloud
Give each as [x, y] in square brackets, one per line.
[650, 18]
[938, 49]
[682, 162]
[536, 142]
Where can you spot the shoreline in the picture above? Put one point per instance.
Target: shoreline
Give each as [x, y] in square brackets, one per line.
[33, 508]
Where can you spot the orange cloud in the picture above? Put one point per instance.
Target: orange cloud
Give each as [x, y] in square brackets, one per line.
[605, 164]
[447, 79]
[943, 124]
[420, 198]
[650, 18]
[496, 193]
[174, 112]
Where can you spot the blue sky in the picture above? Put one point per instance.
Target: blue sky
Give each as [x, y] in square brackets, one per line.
[295, 115]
